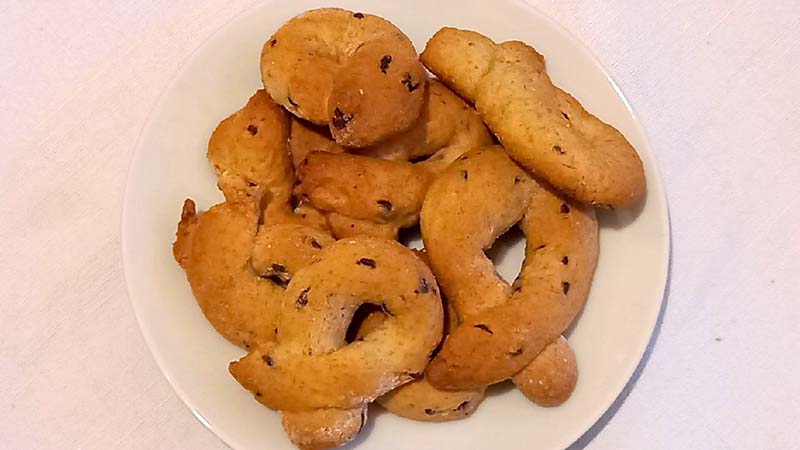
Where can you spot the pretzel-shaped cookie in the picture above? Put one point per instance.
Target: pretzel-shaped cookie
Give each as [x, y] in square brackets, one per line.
[541, 126]
[310, 373]
[477, 199]
[356, 73]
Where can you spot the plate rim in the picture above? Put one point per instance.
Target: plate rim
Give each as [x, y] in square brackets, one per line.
[646, 344]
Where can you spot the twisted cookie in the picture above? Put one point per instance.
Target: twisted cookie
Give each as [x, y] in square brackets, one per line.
[320, 383]
[542, 127]
[356, 73]
[505, 328]
[476, 200]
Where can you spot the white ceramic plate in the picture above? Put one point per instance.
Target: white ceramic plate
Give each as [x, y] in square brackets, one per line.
[170, 164]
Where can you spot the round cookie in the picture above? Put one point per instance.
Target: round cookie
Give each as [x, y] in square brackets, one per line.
[356, 73]
[311, 373]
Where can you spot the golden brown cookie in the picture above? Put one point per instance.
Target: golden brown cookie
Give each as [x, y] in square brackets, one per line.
[342, 227]
[355, 72]
[214, 249]
[476, 200]
[248, 151]
[280, 250]
[364, 188]
[312, 370]
[542, 127]
[504, 329]
[418, 400]
[249, 154]
[306, 137]
[551, 377]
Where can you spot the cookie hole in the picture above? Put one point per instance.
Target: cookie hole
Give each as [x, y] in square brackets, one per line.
[360, 319]
[507, 254]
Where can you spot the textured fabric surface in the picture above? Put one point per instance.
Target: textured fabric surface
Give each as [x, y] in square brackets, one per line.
[715, 84]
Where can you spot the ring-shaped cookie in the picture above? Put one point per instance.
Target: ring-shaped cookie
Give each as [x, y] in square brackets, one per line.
[475, 200]
[310, 371]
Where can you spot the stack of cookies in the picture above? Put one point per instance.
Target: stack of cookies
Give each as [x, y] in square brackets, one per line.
[351, 141]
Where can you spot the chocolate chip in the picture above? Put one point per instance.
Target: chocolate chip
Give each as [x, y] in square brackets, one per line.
[385, 61]
[430, 411]
[276, 331]
[564, 208]
[386, 310]
[464, 174]
[358, 15]
[315, 243]
[340, 119]
[409, 82]
[268, 359]
[369, 262]
[252, 129]
[565, 260]
[462, 406]
[565, 115]
[292, 102]
[302, 299]
[273, 42]
[423, 288]
[516, 352]
[558, 149]
[385, 204]
[485, 328]
[280, 281]
[565, 286]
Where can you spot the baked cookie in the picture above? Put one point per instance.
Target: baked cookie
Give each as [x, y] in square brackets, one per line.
[311, 373]
[249, 154]
[356, 73]
[342, 227]
[542, 127]
[504, 328]
[280, 250]
[365, 188]
[214, 249]
[475, 201]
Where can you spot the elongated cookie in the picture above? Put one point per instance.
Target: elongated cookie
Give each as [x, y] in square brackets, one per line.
[542, 127]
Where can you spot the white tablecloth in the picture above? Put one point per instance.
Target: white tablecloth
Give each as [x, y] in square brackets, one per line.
[716, 84]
